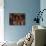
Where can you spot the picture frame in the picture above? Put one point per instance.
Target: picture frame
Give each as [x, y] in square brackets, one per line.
[17, 18]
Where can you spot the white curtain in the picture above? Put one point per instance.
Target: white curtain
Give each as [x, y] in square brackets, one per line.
[1, 20]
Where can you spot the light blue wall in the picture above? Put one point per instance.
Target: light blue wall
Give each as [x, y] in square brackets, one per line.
[43, 6]
[29, 7]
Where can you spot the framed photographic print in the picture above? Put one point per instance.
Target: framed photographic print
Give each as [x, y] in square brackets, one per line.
[16, 18]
